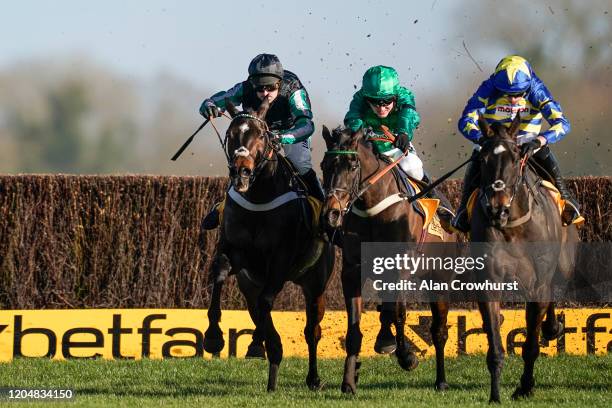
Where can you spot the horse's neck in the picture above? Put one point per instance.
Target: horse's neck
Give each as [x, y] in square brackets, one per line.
[370, 166]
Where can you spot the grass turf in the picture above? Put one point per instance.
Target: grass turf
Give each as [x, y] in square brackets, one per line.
[560, 381]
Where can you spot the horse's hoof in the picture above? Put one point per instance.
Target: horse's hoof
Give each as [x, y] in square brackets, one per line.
[213, 345]
[521, 393]
[385, 343]
[442, 386]
[256, 351]
[314, 384]
[494, 400]
[407, 360]
[348, 388]
[549, 334]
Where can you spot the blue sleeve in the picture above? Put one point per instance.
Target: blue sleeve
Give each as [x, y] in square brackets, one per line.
[541, 98]
[476, 105]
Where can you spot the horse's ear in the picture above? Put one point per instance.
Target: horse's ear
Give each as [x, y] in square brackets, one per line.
[485, 129]
[263, 109]
[231, 108]
[514, 127]
[327, 136]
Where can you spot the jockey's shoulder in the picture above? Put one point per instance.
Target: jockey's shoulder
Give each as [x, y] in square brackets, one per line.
[405, 97]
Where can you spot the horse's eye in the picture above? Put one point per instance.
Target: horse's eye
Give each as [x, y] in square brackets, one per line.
[354, 166]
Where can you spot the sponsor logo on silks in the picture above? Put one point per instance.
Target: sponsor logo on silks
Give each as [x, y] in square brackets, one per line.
[510, 109]
[172, 333]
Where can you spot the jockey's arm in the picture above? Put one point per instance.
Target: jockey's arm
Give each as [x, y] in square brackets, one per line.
[408, 118]
[353, 119]
[476, 105]
[234, 95]
[303, 127]
[552, 112]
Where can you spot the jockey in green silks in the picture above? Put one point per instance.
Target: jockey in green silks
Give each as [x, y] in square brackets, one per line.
[382, 101]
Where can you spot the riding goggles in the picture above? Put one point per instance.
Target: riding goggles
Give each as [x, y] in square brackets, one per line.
[381, 102]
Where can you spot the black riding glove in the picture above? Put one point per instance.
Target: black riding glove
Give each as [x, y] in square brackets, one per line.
[528, 148]
[275, 140]
[402, 141]
[211, 112]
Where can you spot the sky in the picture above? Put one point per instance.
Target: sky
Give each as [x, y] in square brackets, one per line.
[327, 44]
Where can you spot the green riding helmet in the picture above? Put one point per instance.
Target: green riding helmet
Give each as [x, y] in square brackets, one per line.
[380, 82]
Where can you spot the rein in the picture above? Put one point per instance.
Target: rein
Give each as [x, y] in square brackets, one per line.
[362, 187]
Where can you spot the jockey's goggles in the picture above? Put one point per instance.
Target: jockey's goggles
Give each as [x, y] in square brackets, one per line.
[517, 94]
[268, 88]
[381, 102]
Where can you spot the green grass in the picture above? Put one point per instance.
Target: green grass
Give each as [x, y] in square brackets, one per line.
[560, 381]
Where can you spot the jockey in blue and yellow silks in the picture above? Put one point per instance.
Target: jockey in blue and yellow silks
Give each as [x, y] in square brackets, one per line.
[515, 88]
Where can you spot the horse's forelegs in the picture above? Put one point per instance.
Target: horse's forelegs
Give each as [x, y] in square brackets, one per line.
[552, 328]
[406, 358]
[351, 287]
[273, 344]
[439, 335]
[315, 309]
[213, 337]
[251, 290]
[531, 348]
[490, 312]
[385, 340]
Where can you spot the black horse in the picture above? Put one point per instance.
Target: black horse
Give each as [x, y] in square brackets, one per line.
[350, 163]
[514, 209]
[267, 238]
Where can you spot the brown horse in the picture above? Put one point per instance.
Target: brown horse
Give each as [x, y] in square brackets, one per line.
[514, 208]
[349, 162]
[267, 238]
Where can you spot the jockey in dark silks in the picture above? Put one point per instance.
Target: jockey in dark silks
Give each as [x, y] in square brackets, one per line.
[515, 89]
[289, 117]
[382, 101]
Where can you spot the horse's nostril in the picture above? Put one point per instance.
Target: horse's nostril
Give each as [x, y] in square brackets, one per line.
[245, 172]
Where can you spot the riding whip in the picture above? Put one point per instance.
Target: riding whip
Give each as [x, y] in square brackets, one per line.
[188, 141]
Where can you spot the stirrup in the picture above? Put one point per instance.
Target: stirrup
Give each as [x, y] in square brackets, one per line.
[571, 213]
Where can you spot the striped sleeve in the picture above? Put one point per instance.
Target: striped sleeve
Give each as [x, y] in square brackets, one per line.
[476, 105]
[552, 112]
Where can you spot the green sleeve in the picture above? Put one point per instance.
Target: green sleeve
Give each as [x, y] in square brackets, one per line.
[353, 118]
[234, 95]
[408, 118]
[303, 127]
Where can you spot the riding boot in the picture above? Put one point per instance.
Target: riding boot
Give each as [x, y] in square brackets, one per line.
[445, 212]
[461, 221]
[314, 186]
[546, 159]
[211, 221]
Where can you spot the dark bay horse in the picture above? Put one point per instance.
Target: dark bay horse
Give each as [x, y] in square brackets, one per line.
[267, 238]
[349, 162]
[513, 210]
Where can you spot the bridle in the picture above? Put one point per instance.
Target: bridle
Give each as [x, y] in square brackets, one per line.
[268, 155]
[353, 191]
[500, 185]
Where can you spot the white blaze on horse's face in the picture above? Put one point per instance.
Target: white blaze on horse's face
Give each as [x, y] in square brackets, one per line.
[244, 127]
[242, 152]
[499, 149]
